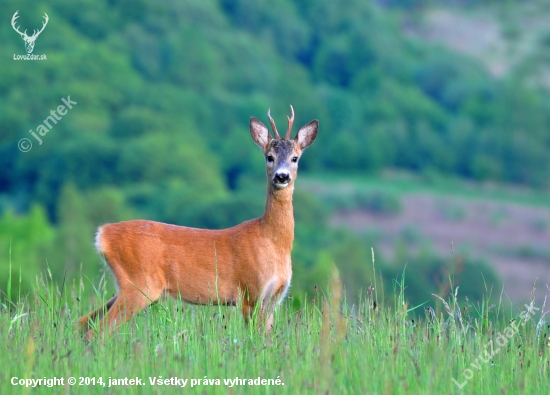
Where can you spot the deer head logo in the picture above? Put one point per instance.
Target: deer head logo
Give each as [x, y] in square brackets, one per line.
[29, 40]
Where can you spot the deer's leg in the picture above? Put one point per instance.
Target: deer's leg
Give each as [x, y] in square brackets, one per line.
[248, 309]
[270, 303]
[269, 323]
[125, 307]
[266, 312]
[84, 322]
[128, 303]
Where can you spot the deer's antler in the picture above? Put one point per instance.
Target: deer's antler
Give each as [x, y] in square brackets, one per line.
[24, 34]
[16, 28]
[290, 122]
[43, 25]
[273, 125]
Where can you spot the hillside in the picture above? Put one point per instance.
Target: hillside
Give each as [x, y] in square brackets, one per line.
[508, 228]
[510, 38]
[164, 92]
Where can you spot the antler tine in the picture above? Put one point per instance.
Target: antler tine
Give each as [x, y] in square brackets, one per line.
[13, 20]
[273, 124]
[290, 122]
[47, 18]
[14, 17]
[43, 25]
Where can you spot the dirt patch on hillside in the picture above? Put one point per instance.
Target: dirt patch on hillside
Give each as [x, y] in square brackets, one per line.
[514, 238]
[500, 42]
[479, 37]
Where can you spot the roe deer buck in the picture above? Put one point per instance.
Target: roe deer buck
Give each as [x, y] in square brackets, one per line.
[150, 259]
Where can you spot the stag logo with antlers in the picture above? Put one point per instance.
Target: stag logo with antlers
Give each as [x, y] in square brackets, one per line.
[29, 40]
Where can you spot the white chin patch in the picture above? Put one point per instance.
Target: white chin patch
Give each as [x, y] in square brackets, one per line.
[281, 186]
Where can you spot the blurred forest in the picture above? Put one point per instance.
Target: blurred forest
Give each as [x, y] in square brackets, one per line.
[165, 90]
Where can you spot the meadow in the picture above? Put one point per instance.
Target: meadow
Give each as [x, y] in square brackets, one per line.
[177, 82]
[418, 115]
[327, 346]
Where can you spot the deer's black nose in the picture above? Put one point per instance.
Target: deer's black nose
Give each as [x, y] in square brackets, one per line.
[282, 177]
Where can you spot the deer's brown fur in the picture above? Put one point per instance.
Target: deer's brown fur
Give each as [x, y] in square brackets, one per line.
[251, 260]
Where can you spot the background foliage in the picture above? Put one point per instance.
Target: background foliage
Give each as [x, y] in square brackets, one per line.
[165, 90]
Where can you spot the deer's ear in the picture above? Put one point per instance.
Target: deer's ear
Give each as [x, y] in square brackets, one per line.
[259, 133]
[306, 135]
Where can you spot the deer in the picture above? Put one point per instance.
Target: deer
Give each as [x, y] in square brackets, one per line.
[29, 40]
[247, 265]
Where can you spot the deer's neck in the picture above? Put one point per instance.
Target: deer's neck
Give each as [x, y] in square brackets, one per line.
[278, 220]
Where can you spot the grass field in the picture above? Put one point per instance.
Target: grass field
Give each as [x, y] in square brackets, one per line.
[327, 347]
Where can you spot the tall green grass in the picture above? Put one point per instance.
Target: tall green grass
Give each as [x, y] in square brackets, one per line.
[326, 347]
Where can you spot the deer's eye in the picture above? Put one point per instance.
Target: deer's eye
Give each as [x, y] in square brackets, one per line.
[269, 158]
[295, 159]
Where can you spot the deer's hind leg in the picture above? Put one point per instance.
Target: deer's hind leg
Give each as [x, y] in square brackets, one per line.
[126, 304]
[85, 322]
[137, 290]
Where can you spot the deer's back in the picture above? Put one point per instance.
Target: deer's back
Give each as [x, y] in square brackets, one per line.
[198, 264]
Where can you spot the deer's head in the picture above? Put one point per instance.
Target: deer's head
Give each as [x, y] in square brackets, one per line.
[29, 40]
[282, 154]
